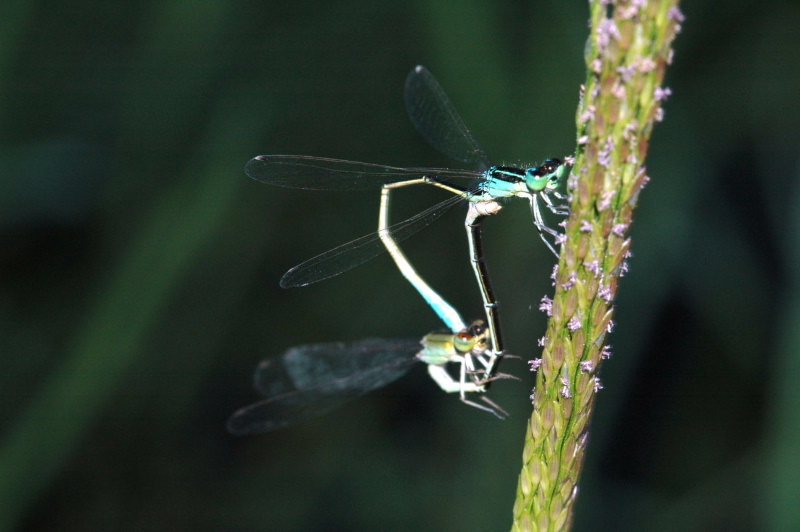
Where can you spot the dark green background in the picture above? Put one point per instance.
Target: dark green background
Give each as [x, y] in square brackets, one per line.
[139, 267]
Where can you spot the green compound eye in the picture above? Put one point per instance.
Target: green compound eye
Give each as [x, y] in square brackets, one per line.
[463, 342]
[546, 176]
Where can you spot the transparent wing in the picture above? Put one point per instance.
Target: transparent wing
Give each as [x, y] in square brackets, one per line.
[310, 380]
[437, 120]
[359, 251]
[320, 173]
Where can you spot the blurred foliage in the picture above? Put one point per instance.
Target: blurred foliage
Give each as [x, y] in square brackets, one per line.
[139, 267]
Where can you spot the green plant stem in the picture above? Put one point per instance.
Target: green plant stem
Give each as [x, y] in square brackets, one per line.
[627, 54]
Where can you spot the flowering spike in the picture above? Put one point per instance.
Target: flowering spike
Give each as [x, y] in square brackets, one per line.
[627, 55]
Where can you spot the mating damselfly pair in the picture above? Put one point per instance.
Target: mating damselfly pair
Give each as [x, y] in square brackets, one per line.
[312, 379]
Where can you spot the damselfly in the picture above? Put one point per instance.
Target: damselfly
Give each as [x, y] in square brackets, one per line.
[310, 380]
[436, 119]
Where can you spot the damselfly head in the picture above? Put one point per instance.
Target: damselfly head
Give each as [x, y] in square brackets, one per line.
[546, 176]
[471, 338]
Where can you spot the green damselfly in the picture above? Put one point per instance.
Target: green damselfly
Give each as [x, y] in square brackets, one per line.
[311, 380]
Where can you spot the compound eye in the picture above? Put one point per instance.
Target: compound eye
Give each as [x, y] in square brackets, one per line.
[464, 342]
[551, 164]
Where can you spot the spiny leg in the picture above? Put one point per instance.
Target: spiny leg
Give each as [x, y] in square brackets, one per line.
[562, 210]
[541, 226]
[494, 408]
[446, 382]
[463, 386]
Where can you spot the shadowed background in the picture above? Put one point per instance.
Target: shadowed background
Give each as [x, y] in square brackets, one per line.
[139, 267]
